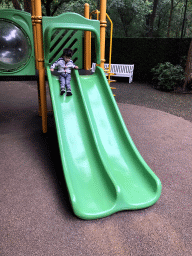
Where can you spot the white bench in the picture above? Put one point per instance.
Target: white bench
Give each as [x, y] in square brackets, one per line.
[119, 70]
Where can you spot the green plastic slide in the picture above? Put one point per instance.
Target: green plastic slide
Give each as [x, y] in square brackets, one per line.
[104, 171]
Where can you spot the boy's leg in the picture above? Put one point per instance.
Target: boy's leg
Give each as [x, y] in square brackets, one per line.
[68, 85]
[62, 83]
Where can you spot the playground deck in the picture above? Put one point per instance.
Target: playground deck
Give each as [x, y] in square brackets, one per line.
[36, 216]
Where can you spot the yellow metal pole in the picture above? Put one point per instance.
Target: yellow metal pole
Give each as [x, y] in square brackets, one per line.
[103, 24]
[97, 12]
[110, 49]
[35, 46]
[87, 42]
[39, 42]
[34, 31]
[111, 36]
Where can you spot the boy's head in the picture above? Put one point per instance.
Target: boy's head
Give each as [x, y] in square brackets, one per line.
[67, 54]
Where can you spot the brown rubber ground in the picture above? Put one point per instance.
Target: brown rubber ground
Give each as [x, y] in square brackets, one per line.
[36, 216]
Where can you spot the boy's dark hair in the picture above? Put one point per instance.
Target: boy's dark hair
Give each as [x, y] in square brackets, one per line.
[68, 52]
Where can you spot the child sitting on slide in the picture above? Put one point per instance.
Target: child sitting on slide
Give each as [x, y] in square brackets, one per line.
[65, 64]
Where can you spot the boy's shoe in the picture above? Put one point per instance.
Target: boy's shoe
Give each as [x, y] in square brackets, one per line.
[62, 91]
[69, 94]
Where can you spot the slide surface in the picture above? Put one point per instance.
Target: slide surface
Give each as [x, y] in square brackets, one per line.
[104, 171]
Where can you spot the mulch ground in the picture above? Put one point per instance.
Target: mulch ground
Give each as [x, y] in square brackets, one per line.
[36, 215]
[142, 94]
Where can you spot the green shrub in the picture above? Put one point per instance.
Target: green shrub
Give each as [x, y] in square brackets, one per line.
[167, 76]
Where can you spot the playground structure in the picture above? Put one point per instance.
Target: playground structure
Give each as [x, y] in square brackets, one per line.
[104, 171]
[36, 49]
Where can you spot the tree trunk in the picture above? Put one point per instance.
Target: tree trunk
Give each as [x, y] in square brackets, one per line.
[48, 7]
[152, 18]
[170, 19]
[188, 68]
[57, 7]
[98, 5]
[16, 5]
[27, 6]
[184, 18]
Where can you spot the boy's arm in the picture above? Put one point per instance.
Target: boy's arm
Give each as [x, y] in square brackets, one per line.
[73, 65]
[54, 65]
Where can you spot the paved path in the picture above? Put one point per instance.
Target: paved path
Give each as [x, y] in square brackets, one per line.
[36, 216]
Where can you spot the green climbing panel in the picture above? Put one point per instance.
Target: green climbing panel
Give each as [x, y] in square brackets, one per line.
[66, 31]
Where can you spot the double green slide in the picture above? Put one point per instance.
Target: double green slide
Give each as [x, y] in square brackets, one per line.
[103, 169]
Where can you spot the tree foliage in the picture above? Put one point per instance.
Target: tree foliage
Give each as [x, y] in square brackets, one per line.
[131, 18]
[49, 7]
[53, 7]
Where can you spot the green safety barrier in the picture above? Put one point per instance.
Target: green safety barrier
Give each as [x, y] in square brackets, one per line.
[16, 44]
